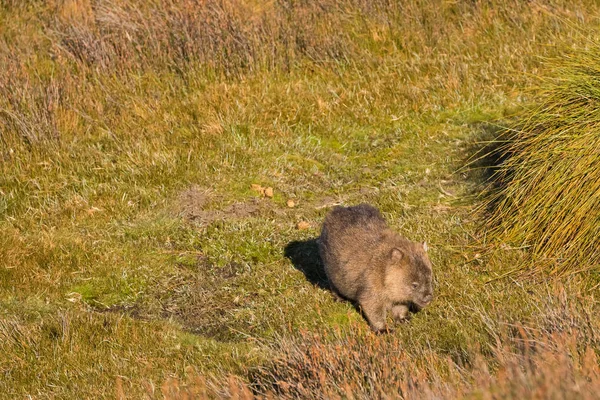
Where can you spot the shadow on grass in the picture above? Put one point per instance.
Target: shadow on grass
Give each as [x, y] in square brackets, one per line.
[487, 161]
[304, 255]
[486, 154]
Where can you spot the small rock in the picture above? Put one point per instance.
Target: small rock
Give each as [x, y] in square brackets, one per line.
[290, 203]
[302, 225]
[264, 191]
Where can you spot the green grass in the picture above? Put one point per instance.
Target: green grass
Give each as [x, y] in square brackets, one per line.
[110, 284]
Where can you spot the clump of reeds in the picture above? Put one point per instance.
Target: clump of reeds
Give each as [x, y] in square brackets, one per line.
[546, 191]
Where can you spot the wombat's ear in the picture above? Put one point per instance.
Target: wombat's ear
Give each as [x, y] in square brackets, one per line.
[397, 254]
[425, 247]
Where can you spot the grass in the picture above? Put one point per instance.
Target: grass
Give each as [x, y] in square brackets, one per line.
[134, 254]
[526, 362]
[544, 193]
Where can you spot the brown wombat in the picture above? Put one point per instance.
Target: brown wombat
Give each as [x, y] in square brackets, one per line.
[367, 262]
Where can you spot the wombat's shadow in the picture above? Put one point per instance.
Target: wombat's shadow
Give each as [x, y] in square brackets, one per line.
[304, 255]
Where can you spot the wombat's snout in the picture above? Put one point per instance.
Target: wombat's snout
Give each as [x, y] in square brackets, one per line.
[427, 299]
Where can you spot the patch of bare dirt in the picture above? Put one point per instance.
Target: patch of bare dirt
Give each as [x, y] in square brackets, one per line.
[192, 202]
[198, 298]
[200, 302]
[199, 205]
[243, 210]
[194, 205]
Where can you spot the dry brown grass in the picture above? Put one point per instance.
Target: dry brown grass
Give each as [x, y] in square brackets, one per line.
[233, 37]
[555, 360]
[221, 37]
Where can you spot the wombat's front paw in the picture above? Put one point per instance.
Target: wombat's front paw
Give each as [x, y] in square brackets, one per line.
[383, 330]
[402, 320]
[378, 327]
[401, 313]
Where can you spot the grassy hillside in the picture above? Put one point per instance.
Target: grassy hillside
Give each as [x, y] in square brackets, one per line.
[137, 258]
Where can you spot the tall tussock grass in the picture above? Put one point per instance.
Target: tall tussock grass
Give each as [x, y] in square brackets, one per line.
[546, 191]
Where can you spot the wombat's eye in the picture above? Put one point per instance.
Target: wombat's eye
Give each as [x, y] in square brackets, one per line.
[415, 285]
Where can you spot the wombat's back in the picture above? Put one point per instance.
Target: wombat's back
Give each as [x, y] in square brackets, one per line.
[346, 245]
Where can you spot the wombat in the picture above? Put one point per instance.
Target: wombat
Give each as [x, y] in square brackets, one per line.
[370, 264]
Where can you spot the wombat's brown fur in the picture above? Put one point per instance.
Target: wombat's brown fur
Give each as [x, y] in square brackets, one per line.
[374, 266]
